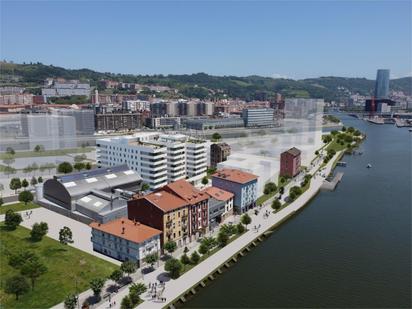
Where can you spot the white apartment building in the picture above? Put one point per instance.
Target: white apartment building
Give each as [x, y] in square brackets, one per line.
[158, 158]
[148, 159]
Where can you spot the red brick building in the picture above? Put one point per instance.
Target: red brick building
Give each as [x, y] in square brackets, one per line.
[290, 162]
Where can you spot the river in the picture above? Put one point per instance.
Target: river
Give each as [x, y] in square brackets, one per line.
[350, 248]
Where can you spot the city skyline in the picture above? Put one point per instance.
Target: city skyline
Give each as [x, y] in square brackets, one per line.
[229, 38]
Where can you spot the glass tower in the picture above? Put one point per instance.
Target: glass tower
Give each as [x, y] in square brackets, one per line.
[382, 84]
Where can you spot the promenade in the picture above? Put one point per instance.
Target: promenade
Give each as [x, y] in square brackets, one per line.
[175, 288]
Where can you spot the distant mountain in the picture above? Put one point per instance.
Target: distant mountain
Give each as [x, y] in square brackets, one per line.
[202, 85]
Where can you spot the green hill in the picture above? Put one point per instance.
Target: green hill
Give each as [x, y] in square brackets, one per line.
[202, 85]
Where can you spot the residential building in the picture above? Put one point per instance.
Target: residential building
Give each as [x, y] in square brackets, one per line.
[125, 240]
[242, 184]
[198, 205]
[142, 155]
[163, 122]
[218, 153]
[258, 117]
[301, 108]
[196, 160]
[174, 157]
[220, 205]
[163, 211]
[118, 121]
[95, 195]
[290, 162]
[135, 105]
[382, 84]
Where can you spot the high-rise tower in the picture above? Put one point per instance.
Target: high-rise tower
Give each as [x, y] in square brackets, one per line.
[382, 84]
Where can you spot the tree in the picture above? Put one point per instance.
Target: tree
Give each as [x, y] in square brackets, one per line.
[240, 229]
[135, 290]
[33, 181]
[15, 184]
[79, 166]
[80, 158]
[174, 267]
[126, 303]
[145, 187]
[65, 235]
[316, 152]
[128, 267]
[96, 285]
[38, 148]
[24, 183]
[269, 188]
[222, 238]
[40, 179]
[195, 258]
[65, 168]
[116, 275]
[184, 259]
[205, 180]
[10, 151]
[12, 219]
[17, 285]
[206, 245]
[38, 231]
[170, 246]
[216, 136]
[17, 260]
[33, 269]
[151, 258]
[276, 204]
[245, 219]
[88, 166]
[70, 302]
[25, 197]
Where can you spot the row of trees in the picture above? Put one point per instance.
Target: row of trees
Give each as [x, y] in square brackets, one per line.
[16, 183]
[175, 266]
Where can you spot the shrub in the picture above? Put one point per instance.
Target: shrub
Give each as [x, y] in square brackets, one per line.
[38, 231]
[195, 258]
[12, 219]
[174, 267]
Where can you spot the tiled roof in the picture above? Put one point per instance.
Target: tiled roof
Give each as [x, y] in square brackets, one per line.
[165, 201]
[235, 175]
[186, 191]
[127, 229]
[219, 194]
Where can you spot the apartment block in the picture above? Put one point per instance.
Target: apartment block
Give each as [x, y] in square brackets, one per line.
[219, 153]
[139, 153]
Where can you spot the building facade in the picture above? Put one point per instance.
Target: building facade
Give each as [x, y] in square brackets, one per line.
[125, 240]
[243, 185]
[220, 205]
[84, 119]
[290, 162]
[218, 153]
[164, 211]
[258, 117]
[118, 121]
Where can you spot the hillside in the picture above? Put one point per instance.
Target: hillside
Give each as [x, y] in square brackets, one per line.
[202, 85]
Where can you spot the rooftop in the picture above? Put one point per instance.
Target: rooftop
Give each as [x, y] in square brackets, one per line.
[186, 191]
[294, 151]
[235, 175]
[165, 201]
[127, 229]
[218, 194]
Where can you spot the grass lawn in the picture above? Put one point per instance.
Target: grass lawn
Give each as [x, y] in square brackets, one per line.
[18, 207]
[65, 264]
[49, 153]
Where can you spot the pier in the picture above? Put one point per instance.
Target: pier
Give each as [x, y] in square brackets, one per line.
[331, 185]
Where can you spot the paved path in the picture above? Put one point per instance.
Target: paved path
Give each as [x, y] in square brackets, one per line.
[174, 288]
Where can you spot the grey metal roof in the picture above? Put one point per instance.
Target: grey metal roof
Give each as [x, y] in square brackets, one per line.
[99, 179]
[100, 202]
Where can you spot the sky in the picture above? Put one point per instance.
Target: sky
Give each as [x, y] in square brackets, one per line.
[292, 39]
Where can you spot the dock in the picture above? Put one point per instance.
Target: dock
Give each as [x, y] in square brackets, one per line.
[331, 185]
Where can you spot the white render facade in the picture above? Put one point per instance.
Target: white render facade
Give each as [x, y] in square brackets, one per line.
[158, 158]
[146, 158]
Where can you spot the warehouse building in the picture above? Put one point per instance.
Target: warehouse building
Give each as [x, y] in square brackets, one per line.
[97, 195]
